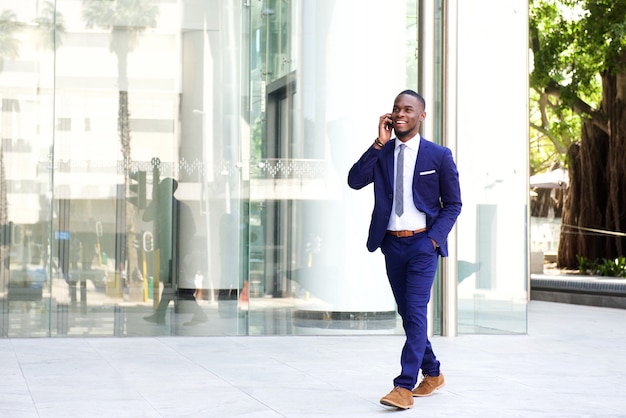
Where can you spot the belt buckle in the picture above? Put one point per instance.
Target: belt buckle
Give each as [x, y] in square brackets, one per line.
[405, 234]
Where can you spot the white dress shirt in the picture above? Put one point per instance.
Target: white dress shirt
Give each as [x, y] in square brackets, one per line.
[412, 219]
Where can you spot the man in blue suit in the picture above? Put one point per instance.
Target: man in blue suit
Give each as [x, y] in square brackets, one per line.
[417, 200]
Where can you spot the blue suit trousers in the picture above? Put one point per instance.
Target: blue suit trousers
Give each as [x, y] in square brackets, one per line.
[411, 264]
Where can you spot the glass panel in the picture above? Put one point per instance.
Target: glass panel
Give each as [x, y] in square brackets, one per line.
[117, 166]
[436, 112]
[26, 94]
[493, 166]
[179, 168]
[142, 232]
[310, 272]
[412, 35]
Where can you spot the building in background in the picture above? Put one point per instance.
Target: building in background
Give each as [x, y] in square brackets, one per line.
[257, 109]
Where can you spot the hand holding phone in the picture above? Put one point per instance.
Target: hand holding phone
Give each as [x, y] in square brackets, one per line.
[385, 126]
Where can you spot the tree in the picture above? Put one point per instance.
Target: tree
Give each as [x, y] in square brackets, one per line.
[9, 49]
[579, 74]
[50, 27]
[126, 19]
[9, 44]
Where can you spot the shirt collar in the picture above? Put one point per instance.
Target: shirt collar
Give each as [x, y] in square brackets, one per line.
[413, 144]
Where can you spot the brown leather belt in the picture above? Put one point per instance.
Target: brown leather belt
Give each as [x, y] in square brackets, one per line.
[406, 233]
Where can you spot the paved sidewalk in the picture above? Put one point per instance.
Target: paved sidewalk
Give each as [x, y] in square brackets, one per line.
[571, 364]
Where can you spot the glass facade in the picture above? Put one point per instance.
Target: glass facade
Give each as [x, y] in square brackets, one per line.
[492, 155]
[178, 167]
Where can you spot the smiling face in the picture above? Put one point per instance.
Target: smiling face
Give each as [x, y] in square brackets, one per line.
[407, 114]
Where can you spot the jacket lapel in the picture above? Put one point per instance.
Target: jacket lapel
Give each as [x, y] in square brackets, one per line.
[389, 161]
[422, 158]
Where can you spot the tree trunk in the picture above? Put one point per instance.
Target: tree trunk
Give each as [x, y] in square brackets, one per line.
[4, 225]
[616, 171]
[131, 211]
[594, 208]
[547, 203]
[568, 242]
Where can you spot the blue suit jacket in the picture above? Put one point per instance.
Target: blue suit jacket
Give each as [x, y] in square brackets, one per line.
[436, 190]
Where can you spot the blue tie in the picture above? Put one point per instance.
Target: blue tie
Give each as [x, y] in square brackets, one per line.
[399, 194]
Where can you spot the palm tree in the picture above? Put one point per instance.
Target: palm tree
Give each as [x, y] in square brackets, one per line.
[9, 48]
[9, 44]
[126, 19]
[50, 27]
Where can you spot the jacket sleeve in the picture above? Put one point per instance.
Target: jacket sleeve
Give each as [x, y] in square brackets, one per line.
[362, 172]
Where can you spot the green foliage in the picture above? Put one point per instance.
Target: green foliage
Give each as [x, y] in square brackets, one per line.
[602, 267]
[126, 17]
[573, 42]
[50, 26]
[9, 44]
[134, 15]
[256, 139]
[550, 139]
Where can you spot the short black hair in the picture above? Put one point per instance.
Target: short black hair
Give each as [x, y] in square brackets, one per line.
[416, 95]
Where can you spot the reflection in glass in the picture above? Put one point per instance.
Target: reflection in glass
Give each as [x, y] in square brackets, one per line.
[174, 246]
[186, 162]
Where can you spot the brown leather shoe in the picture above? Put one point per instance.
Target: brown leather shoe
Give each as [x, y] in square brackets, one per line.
[428, 385]
[398, 397]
